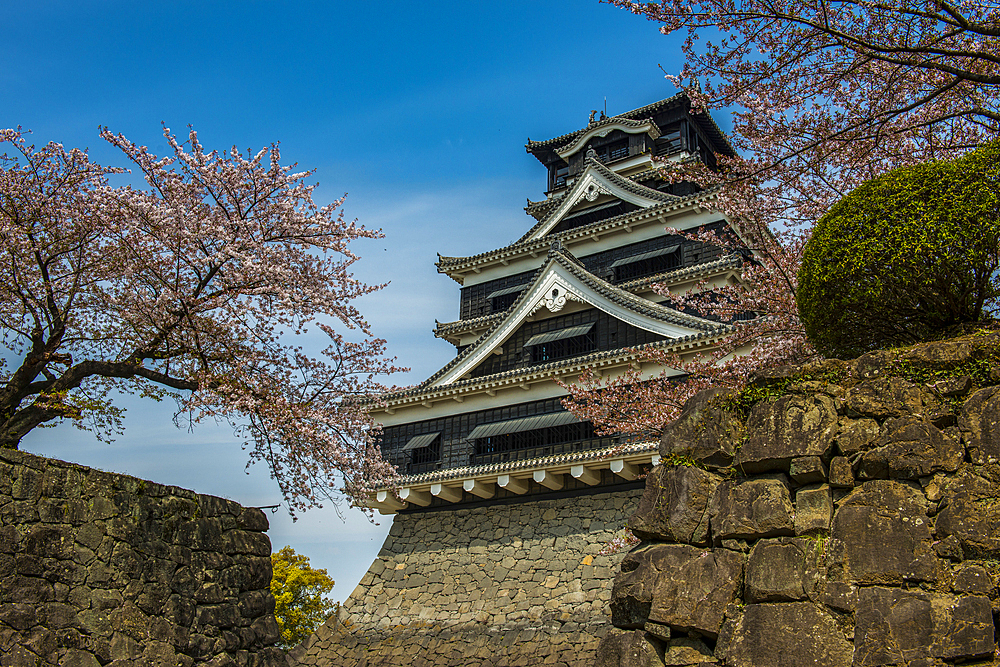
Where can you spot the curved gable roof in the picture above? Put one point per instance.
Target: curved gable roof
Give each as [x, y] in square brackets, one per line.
[563, 279]
[606, 127]
[596, 180]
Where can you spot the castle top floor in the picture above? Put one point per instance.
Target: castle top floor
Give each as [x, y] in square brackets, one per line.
[625, 143]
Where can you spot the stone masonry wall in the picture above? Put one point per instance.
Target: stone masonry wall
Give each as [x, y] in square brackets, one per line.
[503, 584]
[842, 514]
[105, 569]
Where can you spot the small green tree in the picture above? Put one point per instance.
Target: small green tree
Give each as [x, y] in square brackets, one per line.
[905, 257]
[299, 605]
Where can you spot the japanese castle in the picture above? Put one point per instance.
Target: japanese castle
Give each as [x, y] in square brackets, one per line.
[573, 293]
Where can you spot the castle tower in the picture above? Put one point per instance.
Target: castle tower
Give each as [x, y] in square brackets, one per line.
[506, 499]
[573, 293]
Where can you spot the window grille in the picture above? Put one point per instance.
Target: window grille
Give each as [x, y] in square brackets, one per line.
[425, 452]
[562, 343]
[559, 176]
[671, 141]
[647, 263]
[612, 152]
[502, 299]
[618, 151]
[577, 436]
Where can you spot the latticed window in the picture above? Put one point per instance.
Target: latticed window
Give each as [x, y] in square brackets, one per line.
[671, 141]
[424, 451]
[559, 174]
[502, 299]
[647, 263]
[561, 343]
[537, 435]
[613, 151]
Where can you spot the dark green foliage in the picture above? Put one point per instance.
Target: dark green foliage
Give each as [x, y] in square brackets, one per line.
[908, 256]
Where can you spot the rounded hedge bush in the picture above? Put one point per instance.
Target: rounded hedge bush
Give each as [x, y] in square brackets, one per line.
[906, 257]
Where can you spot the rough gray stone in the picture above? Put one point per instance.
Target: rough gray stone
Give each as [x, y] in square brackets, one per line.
[887, 397]
[911, 449]
[628, 649]
[807, 470]
[776, 571]
[882, 534]
[841, 473]
[981, 420]
[96, 579]
[855, 435]
[896, 626]
[813, 509]
[704, 430]
[790, 427]
[789, 634]
[676, 585]
[674, 506]
[970, 511]
[686, 651]
[752, 508]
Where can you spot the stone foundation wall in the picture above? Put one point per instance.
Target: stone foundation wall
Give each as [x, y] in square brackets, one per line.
[105, 569]
[501, 584]
[838, 515]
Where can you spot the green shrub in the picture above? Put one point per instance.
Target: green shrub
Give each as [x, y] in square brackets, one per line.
[906, 257]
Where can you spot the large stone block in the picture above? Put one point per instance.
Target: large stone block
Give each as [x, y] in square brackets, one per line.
[752, 508]
[789, 634]
[911, 448]
[970, 511]
[687, 652]
[885, 397]
[813, 510]
[680, 586]
[621, 648]
[704, 430]
[794, 425]
[881, 535]
[855, 435]
[897, 627]
[674, 506]
[981, 420]
[776, 570]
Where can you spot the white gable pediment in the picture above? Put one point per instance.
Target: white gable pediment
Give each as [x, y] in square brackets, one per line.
[604, 129]
[554, 287]
[597, 180]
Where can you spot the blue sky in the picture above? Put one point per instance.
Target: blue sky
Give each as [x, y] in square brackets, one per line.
[419, 111]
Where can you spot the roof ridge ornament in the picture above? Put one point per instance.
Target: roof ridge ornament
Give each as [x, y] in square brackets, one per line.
[556, 247]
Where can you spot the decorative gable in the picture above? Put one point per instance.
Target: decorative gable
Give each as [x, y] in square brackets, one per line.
[595, 181]
[560, 281]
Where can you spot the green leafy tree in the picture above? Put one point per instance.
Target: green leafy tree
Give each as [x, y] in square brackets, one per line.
[299, 605]
[905, 257]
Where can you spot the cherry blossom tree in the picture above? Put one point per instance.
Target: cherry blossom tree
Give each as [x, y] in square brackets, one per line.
[199, 286]
[824, 95]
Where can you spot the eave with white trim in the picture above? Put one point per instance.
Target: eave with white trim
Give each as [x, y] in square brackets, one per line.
[663, 214]
[451, 485]
[606, 127]
[726, 269]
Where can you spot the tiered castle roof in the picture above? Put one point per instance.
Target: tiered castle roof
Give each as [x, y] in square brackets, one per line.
[573, 293]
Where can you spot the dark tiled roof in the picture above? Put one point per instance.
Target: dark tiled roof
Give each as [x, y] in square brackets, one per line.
[624, 183]
[642, 113]
[733, 261]
[705, 120]
[615, 294]
[445, 263]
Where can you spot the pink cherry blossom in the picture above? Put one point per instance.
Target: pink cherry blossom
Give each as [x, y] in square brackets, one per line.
[196, 287]
[824, 95]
